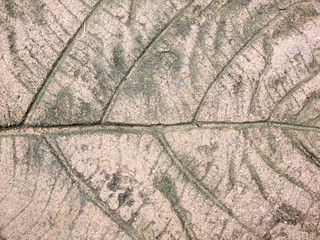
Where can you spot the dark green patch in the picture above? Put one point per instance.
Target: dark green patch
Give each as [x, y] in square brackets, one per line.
[233, 6]
[165, 185]
[141, 79]
[274, 145]
[231, 173]
[100, 71]
[13, 9]
[12, 42]
[142, 82]
[257, 22]
[207, 150]
[237, 87]
[314, 66]
[296, 18]
[183, 27]
[114, 184]
[237, 234]
[40, 150]
[85, 109]
[195, 72]
[103, 89]
[288, 215]
[168, 188]
[256, 178]
[34, 152]
[312, 158]
[107, 77]
[124, 197]
[118, 58]
[60, 112]
[220, 34]
[268, 50]
[170, 60]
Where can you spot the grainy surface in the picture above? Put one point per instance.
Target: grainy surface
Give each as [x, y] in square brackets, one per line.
[142, 119]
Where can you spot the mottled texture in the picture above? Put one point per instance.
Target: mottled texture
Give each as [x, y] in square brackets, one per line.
[143, 119]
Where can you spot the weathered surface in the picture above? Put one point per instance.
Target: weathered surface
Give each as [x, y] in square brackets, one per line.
[143, 119]
[33, 37]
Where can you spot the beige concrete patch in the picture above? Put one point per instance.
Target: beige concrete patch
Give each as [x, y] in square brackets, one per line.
[142, 119]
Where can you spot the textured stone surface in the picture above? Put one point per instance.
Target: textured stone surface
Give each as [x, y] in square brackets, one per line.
[142, 119]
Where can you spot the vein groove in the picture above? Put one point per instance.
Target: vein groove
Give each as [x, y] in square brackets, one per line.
[228, 64]
[94, 198]
[37, 96]
[138, 60]
[203, 189]
[140, 128]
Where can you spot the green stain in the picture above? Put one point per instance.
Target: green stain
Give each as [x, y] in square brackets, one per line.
[12, 9]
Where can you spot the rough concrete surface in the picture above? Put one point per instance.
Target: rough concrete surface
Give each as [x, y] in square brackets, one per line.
[160, 119]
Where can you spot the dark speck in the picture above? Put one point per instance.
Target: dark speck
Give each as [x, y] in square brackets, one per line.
[76, 73]
[84, 147]
[196, 8]
[267, 236]
[130, 203]
[106, 176]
